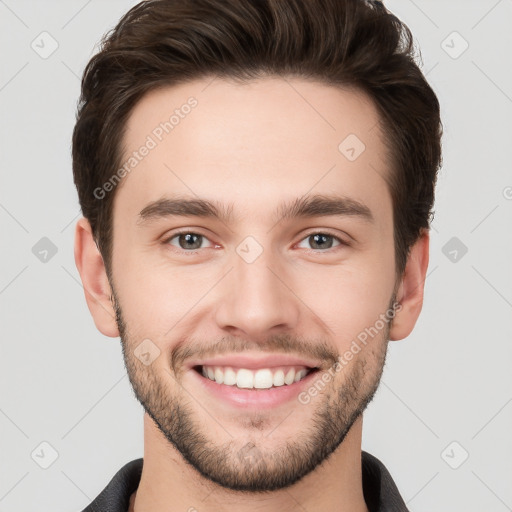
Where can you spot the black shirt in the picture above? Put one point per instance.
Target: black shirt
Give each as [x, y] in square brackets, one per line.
[379, 489]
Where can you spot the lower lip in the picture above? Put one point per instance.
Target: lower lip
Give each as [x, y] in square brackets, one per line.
[255, 398]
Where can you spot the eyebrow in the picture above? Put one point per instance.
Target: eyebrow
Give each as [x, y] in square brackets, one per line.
[304, 207]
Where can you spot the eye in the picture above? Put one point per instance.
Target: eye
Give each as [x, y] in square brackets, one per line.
[322, 241]
[188, 241]
[191, 242]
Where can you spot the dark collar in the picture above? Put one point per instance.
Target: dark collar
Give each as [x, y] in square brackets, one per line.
[379, 489]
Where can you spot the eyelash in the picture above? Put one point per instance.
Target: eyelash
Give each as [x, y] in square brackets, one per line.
[342, 243]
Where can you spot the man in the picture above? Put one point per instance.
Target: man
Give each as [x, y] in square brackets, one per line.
[256, 179]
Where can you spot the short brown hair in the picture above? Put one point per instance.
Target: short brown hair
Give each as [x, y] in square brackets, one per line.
[350, 43]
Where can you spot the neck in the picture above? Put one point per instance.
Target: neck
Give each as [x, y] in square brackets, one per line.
[169, 484]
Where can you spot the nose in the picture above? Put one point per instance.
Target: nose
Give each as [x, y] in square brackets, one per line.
[257, 300]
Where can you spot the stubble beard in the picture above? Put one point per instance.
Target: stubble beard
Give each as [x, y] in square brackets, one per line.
[245, 464]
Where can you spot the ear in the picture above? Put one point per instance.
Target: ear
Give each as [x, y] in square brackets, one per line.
[89, 263]
[410, 291]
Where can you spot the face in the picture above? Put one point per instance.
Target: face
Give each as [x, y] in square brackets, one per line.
[274, 291]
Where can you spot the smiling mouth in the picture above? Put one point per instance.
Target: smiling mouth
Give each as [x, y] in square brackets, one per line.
[262, 378]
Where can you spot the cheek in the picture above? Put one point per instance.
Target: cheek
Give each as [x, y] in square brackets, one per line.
[155, 297]
[348, 299]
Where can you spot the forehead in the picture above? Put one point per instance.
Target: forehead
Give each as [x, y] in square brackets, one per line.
[253, 144]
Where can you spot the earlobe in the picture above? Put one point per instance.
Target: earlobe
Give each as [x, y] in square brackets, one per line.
[410, 291]
[91, 268]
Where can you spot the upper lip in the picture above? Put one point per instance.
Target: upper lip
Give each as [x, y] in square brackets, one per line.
[256, 362]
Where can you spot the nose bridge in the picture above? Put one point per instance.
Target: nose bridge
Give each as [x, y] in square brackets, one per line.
[255, 298]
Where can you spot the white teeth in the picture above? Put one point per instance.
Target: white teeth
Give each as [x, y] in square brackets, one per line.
[300, 375]
[279, 378]
[229, 377]
[263, 378]
[290, 376]
[245, 378]
[219, 376]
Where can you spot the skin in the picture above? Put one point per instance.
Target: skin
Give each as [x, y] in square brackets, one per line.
[252, 146]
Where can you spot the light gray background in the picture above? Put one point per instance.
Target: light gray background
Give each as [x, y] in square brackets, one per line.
[64, 383]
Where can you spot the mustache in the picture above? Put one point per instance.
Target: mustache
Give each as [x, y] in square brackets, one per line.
[279, 344]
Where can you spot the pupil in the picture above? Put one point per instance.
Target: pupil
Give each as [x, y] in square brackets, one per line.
[189, 240]
[317, 236]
